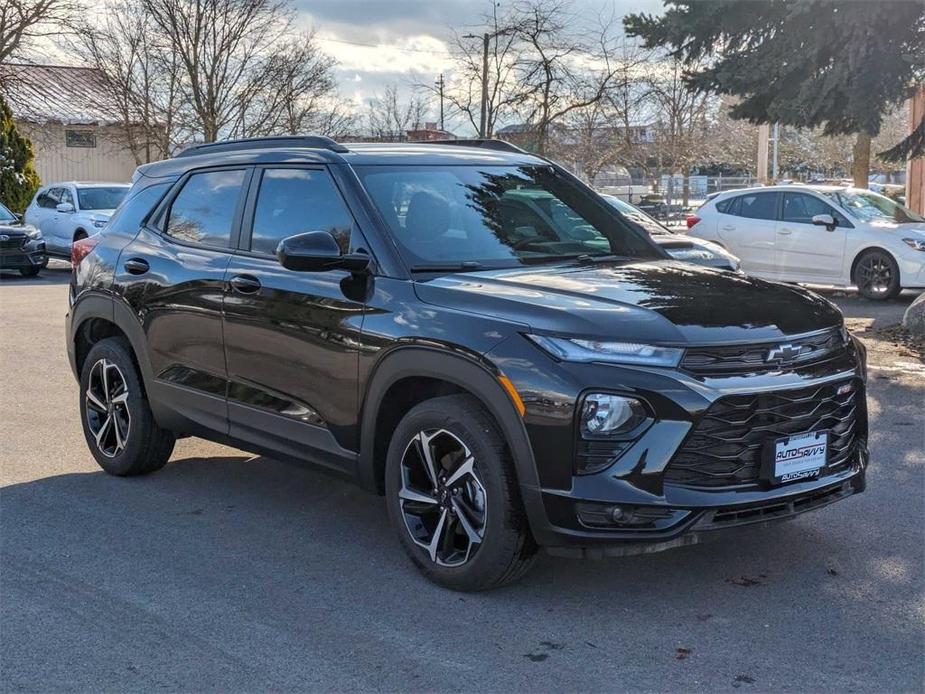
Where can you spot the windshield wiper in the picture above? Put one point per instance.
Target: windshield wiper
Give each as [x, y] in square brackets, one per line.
[466, 266]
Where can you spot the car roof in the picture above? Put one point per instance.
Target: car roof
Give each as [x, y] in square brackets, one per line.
[87, 184]
[356, 154]
[796, 187]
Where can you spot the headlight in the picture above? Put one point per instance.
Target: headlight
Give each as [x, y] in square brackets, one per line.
[603, 414]
[100, 223]
[34, 233]
[917, 244]
[574, 349]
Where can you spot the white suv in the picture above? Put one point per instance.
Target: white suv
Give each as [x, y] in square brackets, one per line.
[819, 235]
[66, 212]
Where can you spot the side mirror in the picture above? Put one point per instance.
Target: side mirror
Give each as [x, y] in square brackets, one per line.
[65, 207]
[825, 220]
[317, 251]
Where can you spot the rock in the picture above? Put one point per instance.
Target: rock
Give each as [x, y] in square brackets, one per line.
[914, 318]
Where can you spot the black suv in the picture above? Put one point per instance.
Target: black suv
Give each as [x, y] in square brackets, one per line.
[469, 330]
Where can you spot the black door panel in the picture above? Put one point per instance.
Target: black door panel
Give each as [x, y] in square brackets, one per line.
[291, 353]
[178, 302]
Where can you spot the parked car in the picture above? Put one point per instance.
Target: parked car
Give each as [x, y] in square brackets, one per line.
[654, 204]
[21, 245]
[383, 310]
[67, 212]
[678, 246]
[819, 234]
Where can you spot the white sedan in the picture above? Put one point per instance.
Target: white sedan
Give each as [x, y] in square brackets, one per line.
[819, 235]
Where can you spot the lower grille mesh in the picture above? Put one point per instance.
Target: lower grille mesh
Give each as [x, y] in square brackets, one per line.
[724, 448]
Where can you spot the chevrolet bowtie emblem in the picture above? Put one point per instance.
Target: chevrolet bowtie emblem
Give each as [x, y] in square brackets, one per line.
[785, 352]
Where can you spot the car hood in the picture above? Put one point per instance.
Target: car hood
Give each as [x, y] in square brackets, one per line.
[15, 228]
[659, 300]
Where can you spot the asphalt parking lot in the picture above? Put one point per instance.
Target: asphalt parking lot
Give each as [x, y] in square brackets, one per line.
[230, 572]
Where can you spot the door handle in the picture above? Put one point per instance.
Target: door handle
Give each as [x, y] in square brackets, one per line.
[784, 232]
[245, 284]
[729, 227]
[136, 266]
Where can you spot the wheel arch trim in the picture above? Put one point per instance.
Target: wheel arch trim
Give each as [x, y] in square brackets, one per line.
[472, 376]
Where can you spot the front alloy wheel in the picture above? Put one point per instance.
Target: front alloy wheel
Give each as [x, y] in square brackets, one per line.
[877, 276]
[442, 499]
[108, 416]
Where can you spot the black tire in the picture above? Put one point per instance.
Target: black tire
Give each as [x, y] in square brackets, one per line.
[145, 447]
[507, 548]
[876, 275]
[81, 234]
[30, 271]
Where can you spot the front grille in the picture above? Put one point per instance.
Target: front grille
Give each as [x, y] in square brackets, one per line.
[13, 242]
[728, 360]
[724, 448]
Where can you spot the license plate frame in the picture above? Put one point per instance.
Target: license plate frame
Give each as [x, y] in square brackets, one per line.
[796, 457]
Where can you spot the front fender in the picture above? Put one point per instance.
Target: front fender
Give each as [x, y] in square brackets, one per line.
[476, 377]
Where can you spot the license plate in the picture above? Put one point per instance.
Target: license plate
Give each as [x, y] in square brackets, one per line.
[797, 457]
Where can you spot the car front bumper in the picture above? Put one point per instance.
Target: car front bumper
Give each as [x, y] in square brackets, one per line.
[30, 255]
[569, 512]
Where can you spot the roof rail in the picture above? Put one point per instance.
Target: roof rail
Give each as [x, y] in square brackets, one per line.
[498, 145]
[310, 141]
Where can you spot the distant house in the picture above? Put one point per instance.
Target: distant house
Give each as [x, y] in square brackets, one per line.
[430, 131]
[67, 114]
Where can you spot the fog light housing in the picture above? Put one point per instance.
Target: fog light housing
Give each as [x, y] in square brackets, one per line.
[605, 415]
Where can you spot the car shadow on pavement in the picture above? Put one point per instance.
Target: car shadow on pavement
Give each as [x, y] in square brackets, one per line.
[242, 572]
[57, 272]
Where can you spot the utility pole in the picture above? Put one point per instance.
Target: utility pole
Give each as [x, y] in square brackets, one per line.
[764, 132]
[484, 113]
[440, 85]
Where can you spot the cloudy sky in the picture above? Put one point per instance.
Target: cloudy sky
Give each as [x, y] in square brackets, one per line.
[382, 42]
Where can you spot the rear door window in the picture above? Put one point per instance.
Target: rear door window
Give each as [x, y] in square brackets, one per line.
[204, 210]
[758, 206]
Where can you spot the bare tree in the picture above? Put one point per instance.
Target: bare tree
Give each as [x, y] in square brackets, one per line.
[559, 68]
[682, 119]
[504, 94]
[390, 118]
[24, 21]
[139, 77]
[293, 92]
[224, 50]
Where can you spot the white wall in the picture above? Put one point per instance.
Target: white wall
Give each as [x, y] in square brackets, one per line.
[109, 160]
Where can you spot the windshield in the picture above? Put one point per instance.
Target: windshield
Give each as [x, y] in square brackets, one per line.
[495, 216]
[101, 198]
[6, 215]
[872, 207]
[645, 221]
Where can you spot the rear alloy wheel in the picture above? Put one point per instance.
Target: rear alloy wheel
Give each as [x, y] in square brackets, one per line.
[877, 276]
[117, 421]
[453, 496]
[108, 417]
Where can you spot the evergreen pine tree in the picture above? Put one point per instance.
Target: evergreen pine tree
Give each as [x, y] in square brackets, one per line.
[18, 178]
[805, 63]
